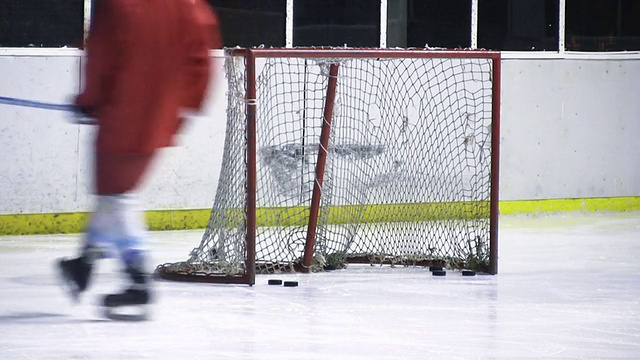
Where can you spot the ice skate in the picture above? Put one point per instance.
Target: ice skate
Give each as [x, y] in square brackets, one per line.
[132, 304]
[75, 275]
[129, 297]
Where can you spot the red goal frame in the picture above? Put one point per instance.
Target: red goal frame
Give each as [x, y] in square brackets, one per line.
[250, 56]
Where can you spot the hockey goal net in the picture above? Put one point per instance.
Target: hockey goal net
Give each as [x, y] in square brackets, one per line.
[334, 156]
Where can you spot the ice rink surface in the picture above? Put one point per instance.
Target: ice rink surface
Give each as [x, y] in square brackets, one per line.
[568, 288]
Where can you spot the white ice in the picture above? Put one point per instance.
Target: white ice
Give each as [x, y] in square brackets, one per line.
[568, 287]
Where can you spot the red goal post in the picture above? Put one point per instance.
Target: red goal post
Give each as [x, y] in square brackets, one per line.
[397, 149]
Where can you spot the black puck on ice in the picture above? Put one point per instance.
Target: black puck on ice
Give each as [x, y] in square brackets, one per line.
[290, 283]
[468, 273]
[275, 282]
[436, 268]
[439, 273]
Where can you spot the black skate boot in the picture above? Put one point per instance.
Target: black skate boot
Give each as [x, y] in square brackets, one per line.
[129, 297]
[137, 296]
[75, 274]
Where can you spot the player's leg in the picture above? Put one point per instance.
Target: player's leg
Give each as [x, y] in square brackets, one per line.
[131, 244]
[76, 272]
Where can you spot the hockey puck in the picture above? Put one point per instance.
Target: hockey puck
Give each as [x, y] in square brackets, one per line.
[275, 282]
[468, 273]
[435, 268]
[439, 273]
[290, 283]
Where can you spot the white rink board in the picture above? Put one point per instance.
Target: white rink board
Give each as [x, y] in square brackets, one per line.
[569, 130]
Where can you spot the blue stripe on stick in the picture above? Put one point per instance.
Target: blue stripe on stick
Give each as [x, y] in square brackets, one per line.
[36, 104]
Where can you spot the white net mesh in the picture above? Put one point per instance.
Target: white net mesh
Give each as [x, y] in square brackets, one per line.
[408, 170]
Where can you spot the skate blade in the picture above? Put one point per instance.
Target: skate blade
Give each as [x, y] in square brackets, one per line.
[131, 313]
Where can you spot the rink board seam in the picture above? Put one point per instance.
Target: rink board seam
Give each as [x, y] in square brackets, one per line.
[186, 219]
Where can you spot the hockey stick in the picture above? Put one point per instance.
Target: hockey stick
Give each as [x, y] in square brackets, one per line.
[35, 104]
[47, 106]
